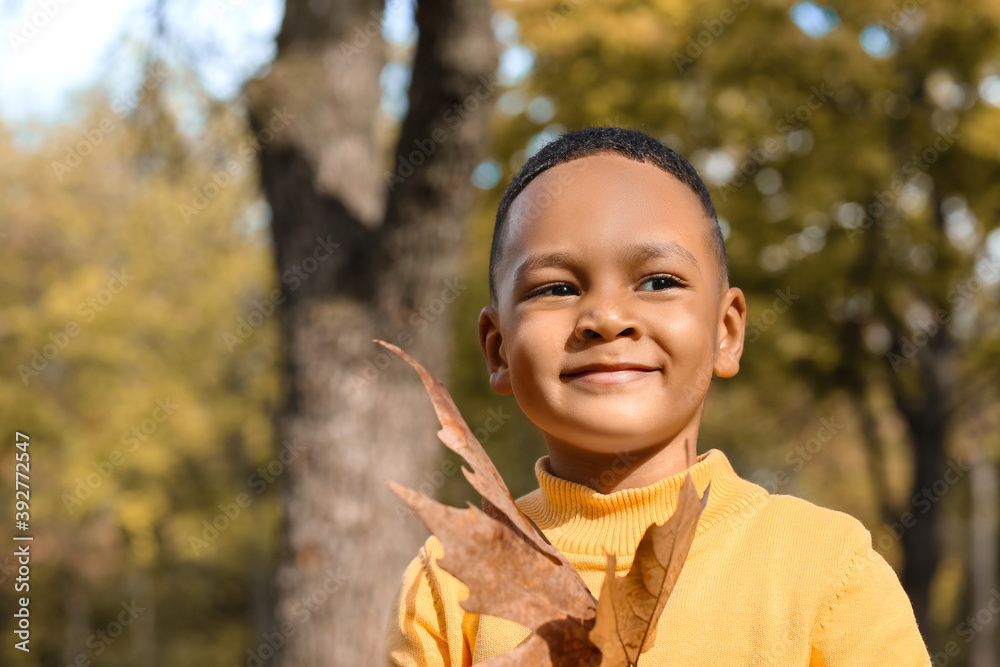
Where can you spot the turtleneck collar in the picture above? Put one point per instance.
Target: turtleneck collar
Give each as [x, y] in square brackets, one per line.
[579, 520]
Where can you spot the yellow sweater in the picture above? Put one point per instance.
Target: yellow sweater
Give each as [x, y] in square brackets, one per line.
[770, 580]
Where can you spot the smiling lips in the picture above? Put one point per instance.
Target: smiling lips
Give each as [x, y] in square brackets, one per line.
[610, 373]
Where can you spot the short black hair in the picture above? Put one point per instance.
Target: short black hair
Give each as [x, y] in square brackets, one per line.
[631, 144]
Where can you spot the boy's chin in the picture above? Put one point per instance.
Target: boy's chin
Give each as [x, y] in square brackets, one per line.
[606, 443]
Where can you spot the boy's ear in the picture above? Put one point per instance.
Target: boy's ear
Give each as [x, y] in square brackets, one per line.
[732, 330]
[492, 346]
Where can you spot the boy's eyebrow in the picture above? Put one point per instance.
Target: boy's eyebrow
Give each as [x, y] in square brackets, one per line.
[634, 254]
[542, 261]
[661, 250]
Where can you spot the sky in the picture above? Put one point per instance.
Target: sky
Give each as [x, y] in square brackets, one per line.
[52, 50]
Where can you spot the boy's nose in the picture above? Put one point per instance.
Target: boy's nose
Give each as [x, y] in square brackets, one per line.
[608, 322]
[591, 333]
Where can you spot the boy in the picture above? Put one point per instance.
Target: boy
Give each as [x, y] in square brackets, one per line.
[610, 311]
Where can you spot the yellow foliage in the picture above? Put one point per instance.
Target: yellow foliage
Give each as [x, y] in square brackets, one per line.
[140, 416]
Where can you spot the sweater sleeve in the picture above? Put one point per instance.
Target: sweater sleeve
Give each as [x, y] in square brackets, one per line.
[867, 618]
[427, 626]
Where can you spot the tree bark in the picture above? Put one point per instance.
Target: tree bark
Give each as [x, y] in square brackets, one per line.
[983, 555]
[927, 412]
[362, 253]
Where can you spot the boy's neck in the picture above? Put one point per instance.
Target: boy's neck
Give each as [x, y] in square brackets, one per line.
[607, 473]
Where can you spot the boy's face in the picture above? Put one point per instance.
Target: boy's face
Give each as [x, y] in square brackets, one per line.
[608, 261]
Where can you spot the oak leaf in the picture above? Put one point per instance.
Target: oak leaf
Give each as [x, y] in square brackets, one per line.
[485, 479]
[512, 571]
[508, 578]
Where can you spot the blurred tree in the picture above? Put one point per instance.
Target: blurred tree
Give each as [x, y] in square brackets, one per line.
[364, 250]
[146, 426]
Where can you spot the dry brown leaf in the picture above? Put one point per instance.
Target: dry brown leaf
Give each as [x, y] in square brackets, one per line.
[629, 607]
[508, 578]
[485, 479]
[512, 571]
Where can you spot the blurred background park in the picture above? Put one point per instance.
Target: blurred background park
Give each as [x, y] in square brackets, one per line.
[209, 209]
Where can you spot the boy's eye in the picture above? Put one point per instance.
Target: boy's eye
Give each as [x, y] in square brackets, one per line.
[554, 290]
[658, 283]
[651, 284]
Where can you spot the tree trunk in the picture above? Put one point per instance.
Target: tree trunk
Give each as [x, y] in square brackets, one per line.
[362, 253]
[927, 412]
[983, 556]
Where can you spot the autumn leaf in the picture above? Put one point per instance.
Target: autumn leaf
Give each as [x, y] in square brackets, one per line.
[629, 607]
[512, 571]
[485, 479]
[508, 578]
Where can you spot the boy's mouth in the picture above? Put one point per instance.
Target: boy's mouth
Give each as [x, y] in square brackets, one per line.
[617, 373]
